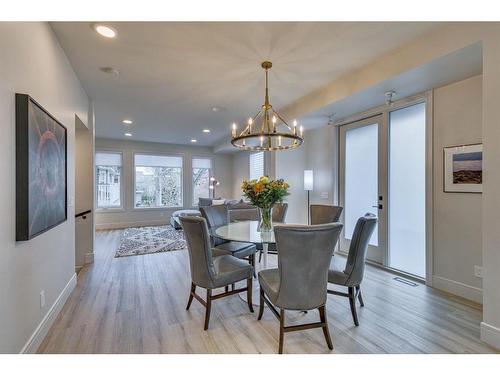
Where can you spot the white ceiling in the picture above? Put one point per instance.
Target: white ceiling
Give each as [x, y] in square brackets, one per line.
[171, 74]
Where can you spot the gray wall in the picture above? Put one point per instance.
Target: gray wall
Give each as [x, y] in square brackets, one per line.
[32, 62]
[457, 216]
[128, 216]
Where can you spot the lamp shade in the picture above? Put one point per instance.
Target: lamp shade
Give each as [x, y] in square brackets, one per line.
[308, 179]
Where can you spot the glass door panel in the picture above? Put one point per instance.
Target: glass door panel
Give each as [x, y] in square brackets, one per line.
[361, 176]
[407, 189]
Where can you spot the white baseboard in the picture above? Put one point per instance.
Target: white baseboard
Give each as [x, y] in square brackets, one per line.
[490, 334]
[89, 258]
[469, 292]
[146, 223]
[43, 328]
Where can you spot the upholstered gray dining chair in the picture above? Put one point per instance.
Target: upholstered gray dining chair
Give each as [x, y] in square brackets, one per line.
[300, 281]
[217, 216]
[352, 276]
[279, 217]
[211, 272]
[322, 214]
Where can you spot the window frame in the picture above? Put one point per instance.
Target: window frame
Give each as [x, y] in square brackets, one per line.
[120, 208]
[152, 153]
[210, 175]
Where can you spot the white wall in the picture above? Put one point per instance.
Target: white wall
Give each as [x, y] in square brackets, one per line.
[241, 171]
[32, 62]
[457, 216]
[290, 165]
[128, 216]
[321, 157]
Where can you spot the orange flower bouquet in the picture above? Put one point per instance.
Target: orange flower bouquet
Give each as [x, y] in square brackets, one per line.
[264, 193]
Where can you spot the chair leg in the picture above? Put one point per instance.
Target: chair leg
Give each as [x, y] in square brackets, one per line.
[352, 302]
[191, 293]
[260, 255]
[360, 297]
[226, 288]
[252, 263]
[249, 294]
[209, 307]
[282, 330]
[261, 307]
[326, 332]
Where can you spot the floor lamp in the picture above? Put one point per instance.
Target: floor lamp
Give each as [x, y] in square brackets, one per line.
[213, 184]
[308, 186]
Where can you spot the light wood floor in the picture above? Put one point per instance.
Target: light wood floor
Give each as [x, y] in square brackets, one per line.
[137, 305]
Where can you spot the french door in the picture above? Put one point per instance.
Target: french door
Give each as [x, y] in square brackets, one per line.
[362, 188]
[382, 170]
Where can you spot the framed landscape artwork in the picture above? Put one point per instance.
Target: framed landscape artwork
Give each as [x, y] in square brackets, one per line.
[463, 169]
[41, 160]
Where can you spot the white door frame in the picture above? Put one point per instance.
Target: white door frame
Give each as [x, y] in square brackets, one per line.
[384, 110]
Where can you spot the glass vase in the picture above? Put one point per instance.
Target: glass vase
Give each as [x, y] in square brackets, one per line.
[266, 219]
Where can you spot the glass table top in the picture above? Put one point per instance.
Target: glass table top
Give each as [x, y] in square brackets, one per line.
[243, 231]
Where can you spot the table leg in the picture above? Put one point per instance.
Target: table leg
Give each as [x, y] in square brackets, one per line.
[264, 250]
[256, 287]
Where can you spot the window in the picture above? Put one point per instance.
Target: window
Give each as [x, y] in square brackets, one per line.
[108, 176]
[158, 181]
[256, 165]
[201, 179]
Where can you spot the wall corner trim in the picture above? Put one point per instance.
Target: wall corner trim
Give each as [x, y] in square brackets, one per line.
[490, 335]
[43, 328]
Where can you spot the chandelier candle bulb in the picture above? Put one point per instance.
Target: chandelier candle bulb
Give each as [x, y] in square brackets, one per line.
[279, 141]
[250, 122]
[301, 131]
[234, 130]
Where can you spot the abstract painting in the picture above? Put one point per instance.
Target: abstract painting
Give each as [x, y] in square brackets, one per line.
[41, 160]
[463, 169]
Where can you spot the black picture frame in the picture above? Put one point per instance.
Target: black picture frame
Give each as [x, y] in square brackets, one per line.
[41, 169]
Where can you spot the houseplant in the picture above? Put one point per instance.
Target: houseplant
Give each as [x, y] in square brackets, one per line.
[264, 193]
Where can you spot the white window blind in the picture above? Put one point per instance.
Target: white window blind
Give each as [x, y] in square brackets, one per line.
[202, 163]
[108, 159]
[256, 165]
[158, 161]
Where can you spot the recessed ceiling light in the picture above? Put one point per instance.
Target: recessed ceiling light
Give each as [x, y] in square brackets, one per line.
[218, 109]
[128, 122]
[105, 31]
[128, 134]
[193, 140]
[110, 70]
[206, 130]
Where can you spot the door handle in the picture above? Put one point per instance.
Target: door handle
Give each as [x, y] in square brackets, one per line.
[379, 206]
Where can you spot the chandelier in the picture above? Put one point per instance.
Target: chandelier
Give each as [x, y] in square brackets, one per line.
[273, 133]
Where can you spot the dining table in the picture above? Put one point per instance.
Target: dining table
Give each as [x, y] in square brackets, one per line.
[247, 231]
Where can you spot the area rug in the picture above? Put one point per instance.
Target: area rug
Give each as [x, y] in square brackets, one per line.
[149, 240]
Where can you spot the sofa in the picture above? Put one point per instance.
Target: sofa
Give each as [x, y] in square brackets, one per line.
[237, 210]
